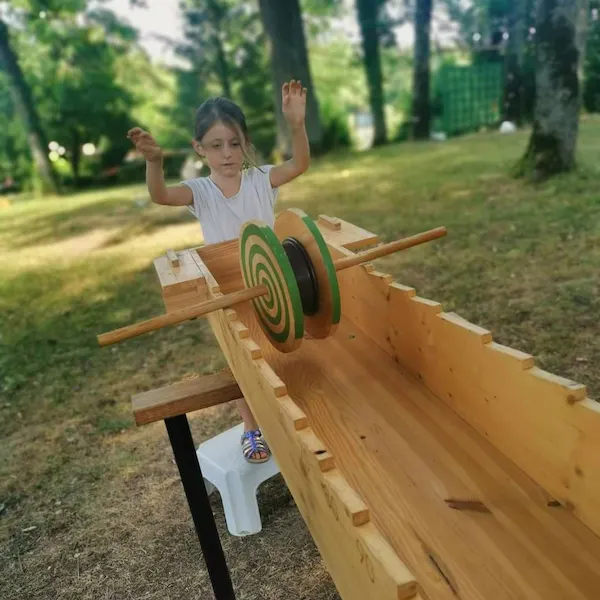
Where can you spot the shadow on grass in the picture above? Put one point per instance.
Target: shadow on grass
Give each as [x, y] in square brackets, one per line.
[116, 212]
[49, 354]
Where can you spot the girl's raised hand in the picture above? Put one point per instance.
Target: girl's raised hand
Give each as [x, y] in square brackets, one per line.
[293, 97]
[145, 144]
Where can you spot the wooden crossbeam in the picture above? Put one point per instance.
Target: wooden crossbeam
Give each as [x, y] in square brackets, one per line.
[185, 397]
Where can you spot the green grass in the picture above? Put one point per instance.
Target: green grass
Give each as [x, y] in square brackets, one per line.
[103, 497]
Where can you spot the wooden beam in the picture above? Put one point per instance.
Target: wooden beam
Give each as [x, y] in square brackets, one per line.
[224, 259]
[185, 397]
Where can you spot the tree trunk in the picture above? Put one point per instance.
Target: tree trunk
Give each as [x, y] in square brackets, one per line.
[368, 18]
[75, 155]
[556, 120]
[513, 83]
[421, 110]
[223, 69]
[216, 16]
[282, 21]
[23, 102]
[582, 33]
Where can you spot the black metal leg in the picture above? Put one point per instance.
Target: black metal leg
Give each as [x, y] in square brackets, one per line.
[195, 490]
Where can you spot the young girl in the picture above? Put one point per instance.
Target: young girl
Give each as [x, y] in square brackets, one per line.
[232, 194]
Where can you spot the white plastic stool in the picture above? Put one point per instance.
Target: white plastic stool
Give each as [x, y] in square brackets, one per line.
[224, 467]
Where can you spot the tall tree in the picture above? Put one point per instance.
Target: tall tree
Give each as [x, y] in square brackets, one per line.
[368, 18]
[205, 23]
[81, 102]
[591, 87]
[421, 109]
[25, 107]
[237, 69]
[513, 85]
[88, 105]
[582, 32]
[282, 20]
[553, 141]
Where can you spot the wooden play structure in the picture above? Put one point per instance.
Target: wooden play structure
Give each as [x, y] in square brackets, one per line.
[427, 460]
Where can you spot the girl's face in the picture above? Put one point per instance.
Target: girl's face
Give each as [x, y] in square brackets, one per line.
[222, 148]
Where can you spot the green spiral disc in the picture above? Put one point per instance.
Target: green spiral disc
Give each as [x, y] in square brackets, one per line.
[264, 262]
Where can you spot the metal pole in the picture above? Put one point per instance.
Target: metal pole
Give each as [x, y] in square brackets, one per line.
[195, 491]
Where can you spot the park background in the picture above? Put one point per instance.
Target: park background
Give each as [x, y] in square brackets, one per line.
[419, 114]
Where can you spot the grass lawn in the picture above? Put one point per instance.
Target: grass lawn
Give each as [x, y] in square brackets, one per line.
[91, 506]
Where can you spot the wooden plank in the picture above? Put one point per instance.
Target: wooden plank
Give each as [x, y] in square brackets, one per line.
[360, 561]
[224, 259]
[342, 233]
[456, 511]
[185, 397]
[186, 298]
[211, 283]
[584, 466]
[527, 413]
[165, 273]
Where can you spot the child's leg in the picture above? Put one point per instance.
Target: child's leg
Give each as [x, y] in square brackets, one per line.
[250, 425]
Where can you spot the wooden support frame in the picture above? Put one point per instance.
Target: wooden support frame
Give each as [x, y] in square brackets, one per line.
[171, 404]
[192, 480]
[185, 397]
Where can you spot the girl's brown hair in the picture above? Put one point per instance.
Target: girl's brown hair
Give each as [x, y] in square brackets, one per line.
[229, 113]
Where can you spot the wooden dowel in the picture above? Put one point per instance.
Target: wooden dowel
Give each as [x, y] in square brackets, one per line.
[385, 249]
[330, 222]
[173, 258]
[180, 315]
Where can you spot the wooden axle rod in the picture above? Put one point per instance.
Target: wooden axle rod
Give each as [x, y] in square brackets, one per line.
[390, 248]
[183, 314]
[247, 294]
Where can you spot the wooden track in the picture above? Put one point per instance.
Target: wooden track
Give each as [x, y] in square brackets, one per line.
[408, 455]
[426, 460]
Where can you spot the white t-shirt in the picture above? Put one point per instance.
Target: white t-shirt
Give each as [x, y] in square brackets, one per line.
[221, 218]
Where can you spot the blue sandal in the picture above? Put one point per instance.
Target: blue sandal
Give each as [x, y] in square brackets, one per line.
[254, 444]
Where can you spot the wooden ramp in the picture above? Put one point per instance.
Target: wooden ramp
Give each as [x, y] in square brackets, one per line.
[464, 520]
[427, 461]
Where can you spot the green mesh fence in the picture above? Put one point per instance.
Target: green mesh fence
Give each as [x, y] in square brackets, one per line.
[468, 97]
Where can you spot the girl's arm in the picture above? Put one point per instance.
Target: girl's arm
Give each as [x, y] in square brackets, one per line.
[285, 172]
[294, 108]
[178, 195]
